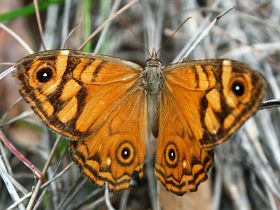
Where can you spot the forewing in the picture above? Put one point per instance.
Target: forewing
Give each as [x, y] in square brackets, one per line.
[74, 92]
[214, 97]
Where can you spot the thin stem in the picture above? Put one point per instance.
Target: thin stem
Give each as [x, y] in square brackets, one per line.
[17, 38]
[35, 2]
[20, 156]
[107, 22]
[39, 183]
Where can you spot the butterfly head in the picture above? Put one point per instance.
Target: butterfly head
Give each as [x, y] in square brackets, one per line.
[153, 61]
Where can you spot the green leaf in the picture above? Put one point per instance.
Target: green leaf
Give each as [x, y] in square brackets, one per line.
[27, 10]
[87, 23]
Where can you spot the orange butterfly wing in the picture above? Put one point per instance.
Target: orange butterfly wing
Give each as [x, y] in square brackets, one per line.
[203, 92]
[117, 150]
[207, 101]
[79, 90]
[181, 163]
[95, 98]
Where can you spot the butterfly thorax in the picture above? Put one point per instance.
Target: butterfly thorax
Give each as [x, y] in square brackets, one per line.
[153, 76]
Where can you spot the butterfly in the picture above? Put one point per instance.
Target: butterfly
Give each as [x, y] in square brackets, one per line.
[110, 108]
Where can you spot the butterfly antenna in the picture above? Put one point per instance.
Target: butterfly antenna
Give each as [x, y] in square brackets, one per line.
[171, 36]
[138, 38]
[37, 12]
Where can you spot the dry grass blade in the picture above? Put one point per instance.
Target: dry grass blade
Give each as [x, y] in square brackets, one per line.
[19, 155]
[270, 104]
[112, 17]
[9, 184]
[107, 198]
[3, 117]
[43, 186]
[64, 45]
[39, 183]
[105, 30]
[66, 22]
[7, 72]
[35, 2]
[18, 38]
[18, 117]
[7, 64]
[201, 36]
[72, 192]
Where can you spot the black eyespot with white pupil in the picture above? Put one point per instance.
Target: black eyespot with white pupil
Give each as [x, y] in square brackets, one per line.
[171, 155]
[45, 74]
[238, 88]
[125, 153]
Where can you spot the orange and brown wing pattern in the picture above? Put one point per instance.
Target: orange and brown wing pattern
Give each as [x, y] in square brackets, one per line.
[181, 163]
[214, 97]
[74, 92]
[203, 103]
[117, 150]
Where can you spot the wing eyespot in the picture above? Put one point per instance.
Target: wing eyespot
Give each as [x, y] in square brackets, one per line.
[238, 88]
[125, 153]
[45, 74]
[171, 155]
